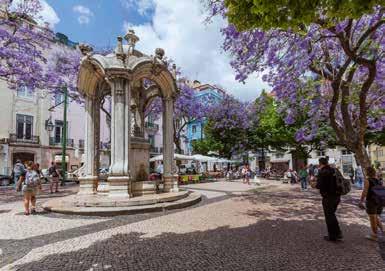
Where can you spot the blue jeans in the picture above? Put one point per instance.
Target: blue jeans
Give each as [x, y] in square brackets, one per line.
[304, 183]
[359, 182]
[15, 180]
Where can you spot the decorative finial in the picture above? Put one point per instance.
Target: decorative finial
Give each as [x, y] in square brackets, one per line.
[131, 39]
[119, 49]
[85, 49]
[159, 53]
[173, 70]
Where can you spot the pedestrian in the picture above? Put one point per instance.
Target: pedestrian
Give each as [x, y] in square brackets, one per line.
[351, 174]
[373, 209]
[18, 170]
[303, 175]
[54, 174]
[379, 173]
[359, 177]
[295, 175]
[291, 176]
[326, 183]
[248, 174]
[30, 185]
[243, 172]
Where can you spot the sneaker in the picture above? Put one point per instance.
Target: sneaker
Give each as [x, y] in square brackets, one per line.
[33, 211]
[327, 238]
[371, 237]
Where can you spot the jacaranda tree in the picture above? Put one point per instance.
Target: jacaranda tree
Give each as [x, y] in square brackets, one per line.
[22, 44]
[340, 66]
[29, 55]
[227, 126]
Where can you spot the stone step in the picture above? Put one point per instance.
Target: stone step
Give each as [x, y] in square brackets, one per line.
[60, 207]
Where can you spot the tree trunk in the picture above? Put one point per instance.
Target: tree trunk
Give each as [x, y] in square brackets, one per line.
[362, 157]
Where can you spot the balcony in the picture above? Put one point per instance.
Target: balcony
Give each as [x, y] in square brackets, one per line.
[151, 127]
[53, 141]
[13, 138]
[156, 150]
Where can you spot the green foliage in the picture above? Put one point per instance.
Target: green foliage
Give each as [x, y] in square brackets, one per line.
[377, 138]
[271, 131]
[266, 14]
[206, 145]
[224, 141]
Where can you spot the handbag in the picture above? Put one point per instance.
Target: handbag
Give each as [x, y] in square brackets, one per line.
[313, 182]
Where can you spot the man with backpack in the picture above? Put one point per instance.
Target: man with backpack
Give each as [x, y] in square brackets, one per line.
[18, 170]
[331, 197]
[54, 174]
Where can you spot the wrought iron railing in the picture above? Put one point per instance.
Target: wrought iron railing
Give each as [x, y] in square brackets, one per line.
[157, 150]
[14, 138]
[151, 126]
[53, 141]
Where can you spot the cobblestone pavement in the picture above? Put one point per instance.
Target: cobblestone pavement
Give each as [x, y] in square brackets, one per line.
[273, 227]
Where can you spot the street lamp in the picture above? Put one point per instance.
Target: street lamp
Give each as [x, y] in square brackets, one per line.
[49, 125]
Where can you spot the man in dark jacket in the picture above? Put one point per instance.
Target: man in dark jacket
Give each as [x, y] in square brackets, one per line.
[326, 183]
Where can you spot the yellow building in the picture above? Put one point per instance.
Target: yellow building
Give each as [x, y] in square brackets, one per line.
[377, 154]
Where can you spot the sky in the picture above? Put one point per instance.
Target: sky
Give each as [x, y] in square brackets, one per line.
[176, 26]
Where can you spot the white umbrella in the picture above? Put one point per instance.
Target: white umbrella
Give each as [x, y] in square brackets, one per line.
[176, 157]
[203, 158]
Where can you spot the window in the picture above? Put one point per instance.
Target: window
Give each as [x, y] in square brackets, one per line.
[58, 131]
[345, 152]
[279, 155]
[320, 153]
[25, 92]
[194, 129]
[24, 124]
[151, 139]
[379, 153]
[59, 98]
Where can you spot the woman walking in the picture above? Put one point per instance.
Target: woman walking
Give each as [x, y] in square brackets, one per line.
[373, 209]
[30, 184]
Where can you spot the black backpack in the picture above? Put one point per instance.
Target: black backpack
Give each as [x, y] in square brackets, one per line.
[342, 184]
[52, 171]
[378, 191]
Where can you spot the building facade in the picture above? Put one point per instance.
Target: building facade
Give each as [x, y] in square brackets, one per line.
[207, 94]
[377, 155]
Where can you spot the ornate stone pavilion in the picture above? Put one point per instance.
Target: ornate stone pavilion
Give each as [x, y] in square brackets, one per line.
[133, 80]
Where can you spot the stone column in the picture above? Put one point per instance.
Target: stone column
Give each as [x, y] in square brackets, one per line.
[170, 181]
[88, 183]
[119, 180]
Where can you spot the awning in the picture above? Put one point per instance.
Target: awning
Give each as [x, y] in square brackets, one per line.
[204, 158]
[59, 157]
[279, 161]
[176, 157]
[314, 161]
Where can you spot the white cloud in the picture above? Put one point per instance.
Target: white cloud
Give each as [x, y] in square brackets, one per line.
[143, 7]
[46, 15]
[84, 14]
[177, 26]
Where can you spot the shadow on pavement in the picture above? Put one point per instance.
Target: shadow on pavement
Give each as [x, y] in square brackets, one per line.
[265, 245]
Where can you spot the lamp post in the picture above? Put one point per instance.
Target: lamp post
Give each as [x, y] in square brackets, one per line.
[64, 138]
[49, 125]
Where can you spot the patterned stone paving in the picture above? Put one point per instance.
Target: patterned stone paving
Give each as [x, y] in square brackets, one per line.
[274, 227]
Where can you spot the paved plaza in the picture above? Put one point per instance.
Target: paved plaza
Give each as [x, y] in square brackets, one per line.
[273, 226]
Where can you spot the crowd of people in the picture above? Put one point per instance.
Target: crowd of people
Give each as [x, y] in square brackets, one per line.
[28, 178]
